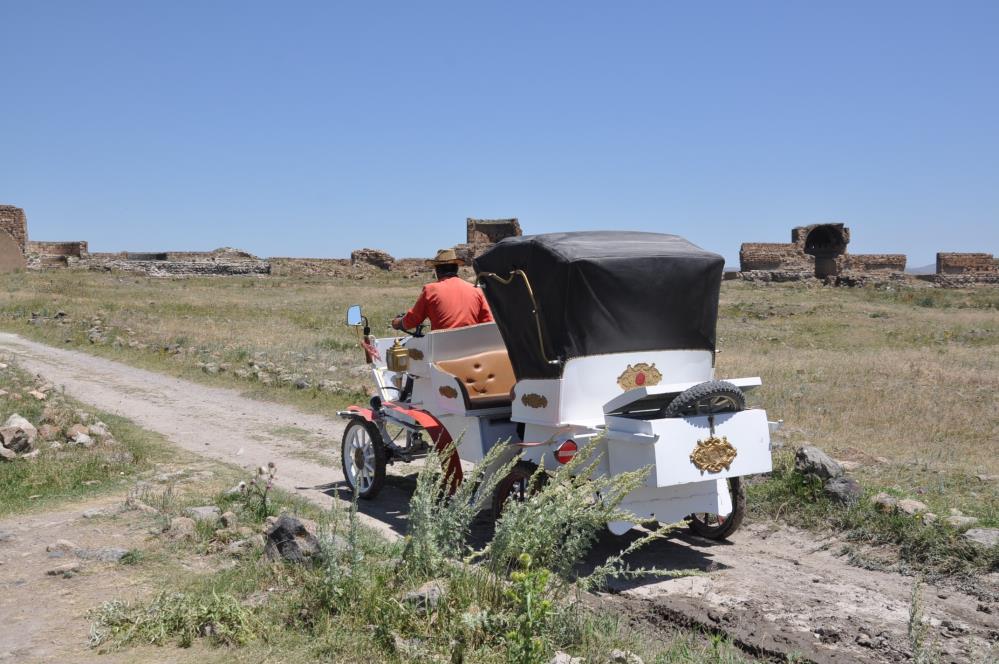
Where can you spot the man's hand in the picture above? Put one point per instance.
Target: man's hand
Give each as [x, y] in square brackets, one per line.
[397, 323]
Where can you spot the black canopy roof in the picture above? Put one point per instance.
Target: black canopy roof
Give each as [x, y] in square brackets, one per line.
[599, 292]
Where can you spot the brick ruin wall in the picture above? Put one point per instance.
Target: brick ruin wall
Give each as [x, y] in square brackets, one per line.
[773, 256]
[76, 248]
[221, 262]
[955, 263]
[480, 234]
[13, 236]
[955, 270]
[872, 262]
[15, 223]
[816, 251]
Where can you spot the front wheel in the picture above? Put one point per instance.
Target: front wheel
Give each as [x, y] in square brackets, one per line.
[721, 526]
[362, 455]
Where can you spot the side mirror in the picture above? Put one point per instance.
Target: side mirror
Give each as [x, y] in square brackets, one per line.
[354, 317]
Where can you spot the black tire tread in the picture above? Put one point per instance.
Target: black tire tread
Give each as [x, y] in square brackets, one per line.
[691, 396]
[734, 520]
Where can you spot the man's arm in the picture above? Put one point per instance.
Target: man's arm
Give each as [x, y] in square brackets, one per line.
[416, 315]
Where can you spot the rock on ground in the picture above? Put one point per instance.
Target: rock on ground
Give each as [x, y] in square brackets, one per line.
[960, 521]
[208, 513]
[911, 507]
[843, 489]
[18, 434]
[987, 537]
[292, 539]
[426, 598]
[66, 571]
[809, 460]
[182, 527]
[885, 502]
[624, 657]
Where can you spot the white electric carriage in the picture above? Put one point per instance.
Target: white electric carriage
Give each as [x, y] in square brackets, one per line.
[606, 336]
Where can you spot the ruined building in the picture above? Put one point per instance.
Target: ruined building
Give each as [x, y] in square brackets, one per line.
[483, 233]
[13, 238]
[956, 269]
[816, 251]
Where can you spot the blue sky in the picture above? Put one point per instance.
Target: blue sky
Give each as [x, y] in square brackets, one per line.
[310, 129]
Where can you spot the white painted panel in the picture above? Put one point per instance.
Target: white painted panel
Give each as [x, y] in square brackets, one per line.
[675, 438]
[588, 383]
[673, 503]
[464, 341]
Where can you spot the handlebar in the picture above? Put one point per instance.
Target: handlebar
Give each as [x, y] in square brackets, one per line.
[416, 332]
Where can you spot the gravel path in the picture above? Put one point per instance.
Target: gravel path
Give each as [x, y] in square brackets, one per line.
[212, 421]
[774, 590]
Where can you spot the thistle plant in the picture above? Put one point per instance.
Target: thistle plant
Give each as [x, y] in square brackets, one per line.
[256, 493]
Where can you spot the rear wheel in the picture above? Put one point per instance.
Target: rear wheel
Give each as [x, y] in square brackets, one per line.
[362, 455]
[517, 485]
[720, 526]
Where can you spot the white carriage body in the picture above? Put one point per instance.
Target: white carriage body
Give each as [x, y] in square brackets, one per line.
[588, 402]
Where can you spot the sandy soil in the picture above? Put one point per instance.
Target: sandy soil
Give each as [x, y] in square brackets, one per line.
[776, 591]
[44, 616]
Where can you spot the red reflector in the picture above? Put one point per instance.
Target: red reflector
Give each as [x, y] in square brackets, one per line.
[566, 451]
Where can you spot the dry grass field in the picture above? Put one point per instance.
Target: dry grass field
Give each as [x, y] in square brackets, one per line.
[910, 375]
[902, 380]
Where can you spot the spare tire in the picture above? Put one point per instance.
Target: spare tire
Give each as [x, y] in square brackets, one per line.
[709, 398]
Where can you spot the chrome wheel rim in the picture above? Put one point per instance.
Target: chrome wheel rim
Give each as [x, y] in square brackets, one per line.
[359, 458]
[720, 403]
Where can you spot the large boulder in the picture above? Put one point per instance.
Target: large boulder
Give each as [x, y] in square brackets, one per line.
[380, 259]
[18, 434]
[809, 460]
[292, 539]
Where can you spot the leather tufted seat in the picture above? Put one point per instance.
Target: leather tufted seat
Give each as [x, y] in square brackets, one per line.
[486, 378]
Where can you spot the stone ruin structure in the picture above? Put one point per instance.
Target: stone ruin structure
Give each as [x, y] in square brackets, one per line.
[483, 233]
[960, 269]
[817, 251]
[13, 238]
[225, 261]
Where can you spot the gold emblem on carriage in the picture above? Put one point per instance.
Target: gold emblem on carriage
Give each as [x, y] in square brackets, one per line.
[416, 353]
[639, 375]
[534, 400]
[713, 454]
[448, 392]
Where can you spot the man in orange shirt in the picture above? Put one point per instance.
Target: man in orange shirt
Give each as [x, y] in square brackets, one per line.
[449, 302]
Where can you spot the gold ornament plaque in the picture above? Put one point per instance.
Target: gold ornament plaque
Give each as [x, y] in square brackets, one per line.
[448, 392]
[713, 454]
[639, 375]
[416, 353]
[534, 400]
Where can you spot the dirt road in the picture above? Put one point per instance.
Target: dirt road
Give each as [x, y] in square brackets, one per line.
[776, 591]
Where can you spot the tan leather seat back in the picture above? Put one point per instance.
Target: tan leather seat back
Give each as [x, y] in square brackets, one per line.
[486, 377]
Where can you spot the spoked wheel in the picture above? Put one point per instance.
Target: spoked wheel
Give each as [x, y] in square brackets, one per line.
[363, 457]
[710, 398]
[720, 526]
[517, 485]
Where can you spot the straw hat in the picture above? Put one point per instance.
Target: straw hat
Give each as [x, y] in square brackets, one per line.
[445, 257]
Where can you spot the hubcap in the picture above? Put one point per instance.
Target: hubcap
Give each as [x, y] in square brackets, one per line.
[359, 454]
